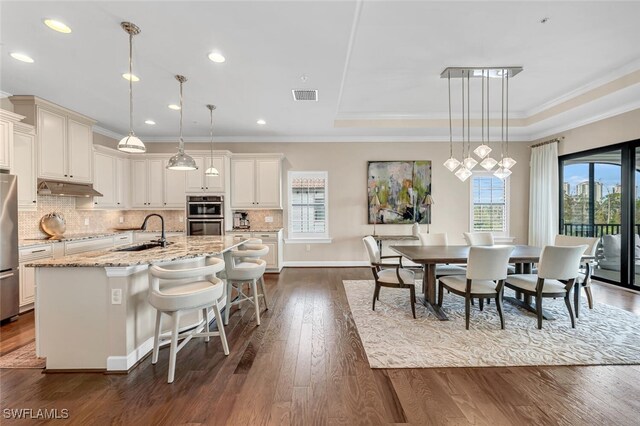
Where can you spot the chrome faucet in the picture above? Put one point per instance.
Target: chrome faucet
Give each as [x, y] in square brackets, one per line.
[162, 240]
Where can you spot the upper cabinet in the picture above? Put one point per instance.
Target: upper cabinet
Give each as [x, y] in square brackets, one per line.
[154, 186]
[64, 139]
[256, 181]
[110, 178]
[24, 165]
[7, 121]
[198, 182]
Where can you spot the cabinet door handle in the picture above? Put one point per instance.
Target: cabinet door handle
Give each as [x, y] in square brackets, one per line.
[34, 201]
[10, 274]
[66, 176]
[118, 203]
[165, 204]
[71, 176]
[95, 202]
[38, 251]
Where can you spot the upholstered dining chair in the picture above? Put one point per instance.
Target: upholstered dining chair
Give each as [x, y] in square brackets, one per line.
[440, 239]
[586, 268]
[485, 277]
[557, 273]
[479, 238]
[394, 276]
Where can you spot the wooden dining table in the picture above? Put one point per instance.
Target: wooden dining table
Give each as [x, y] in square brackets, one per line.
[429, 256]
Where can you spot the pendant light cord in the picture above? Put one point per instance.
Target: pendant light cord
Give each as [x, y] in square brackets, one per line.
[468, 114]
[482, 103]
[450, 125]
[502, 120]
[181, 145]
[463, 138]
[507, 120]
[211, 134]
[131, 84]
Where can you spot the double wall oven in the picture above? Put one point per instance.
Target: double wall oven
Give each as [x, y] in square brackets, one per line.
[205, 215]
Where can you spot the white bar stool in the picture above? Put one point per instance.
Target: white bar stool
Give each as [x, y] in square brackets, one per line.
[244, 266]
[174, 290]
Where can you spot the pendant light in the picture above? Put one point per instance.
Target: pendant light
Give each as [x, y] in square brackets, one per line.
[469, 162]
[211, 171]
[502, 172]
[507, 162]
[488, 163]
[452, 163]
[131, 143]
[463, 172]
[181, 161]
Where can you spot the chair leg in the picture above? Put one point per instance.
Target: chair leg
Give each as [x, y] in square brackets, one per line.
[481, 303]
[440, 293]
[587, 290]
[228, 307]
[568, 303]
[412, 294]
[223, 335]
[499, 308]
[488, 301]
[174, 346]
[473, 302]
[576, 299]
[539, 311]
[156, 338]
[375, 296]
[205, 316]
[256, 299]
[467, 308]
[264, 293]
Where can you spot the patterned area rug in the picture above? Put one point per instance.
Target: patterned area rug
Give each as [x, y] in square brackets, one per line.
[23, 357]
[393, 339]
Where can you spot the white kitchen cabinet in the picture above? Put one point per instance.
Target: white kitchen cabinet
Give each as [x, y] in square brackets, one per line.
[174, 182]
[155, 170]
[27, 275]
[91, 244]
[198, 182]
[24, 165]
[104, 180]
[122, 183]
[256, 182]
[64, 139]
[123, 239]
[6, 141]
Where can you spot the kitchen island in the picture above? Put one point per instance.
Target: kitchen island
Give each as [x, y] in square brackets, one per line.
[92, 311]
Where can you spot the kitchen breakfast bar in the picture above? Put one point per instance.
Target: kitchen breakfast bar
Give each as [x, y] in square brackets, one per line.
[92, 311]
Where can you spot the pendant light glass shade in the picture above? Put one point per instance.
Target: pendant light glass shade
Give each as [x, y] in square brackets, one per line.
[211, 171]
[452, 164]
[482, 151]
[508, 162]
[463, 173]
[469, 163]
[488, 163]
[181, 161]
[131, 143]
[502, 173]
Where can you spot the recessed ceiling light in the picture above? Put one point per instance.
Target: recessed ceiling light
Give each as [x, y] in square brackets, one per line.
[58, 26]
[217, 57]
[261, 122]
[150, 122]
[22, 57]
[544, 20]
[174, 107]
[131, 77]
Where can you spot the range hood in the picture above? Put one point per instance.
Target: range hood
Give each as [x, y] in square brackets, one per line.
[66, 189]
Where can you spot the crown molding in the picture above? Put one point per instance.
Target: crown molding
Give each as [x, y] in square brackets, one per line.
[5, 94]
[108, 133]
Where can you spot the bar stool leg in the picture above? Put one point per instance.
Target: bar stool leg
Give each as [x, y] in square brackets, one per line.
[264, 293]
[223, 335]
[228, 307]
[174, 346]
[205, 314]
[256, 299]
[156, 338]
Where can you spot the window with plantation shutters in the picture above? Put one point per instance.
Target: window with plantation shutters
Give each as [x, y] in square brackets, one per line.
[489, 206]
[308, 205]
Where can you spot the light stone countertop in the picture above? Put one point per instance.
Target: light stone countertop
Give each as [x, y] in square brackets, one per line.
[29, 242]
[240, 230]
[182, 247]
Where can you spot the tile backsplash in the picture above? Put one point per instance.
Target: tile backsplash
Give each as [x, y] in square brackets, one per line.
[98, 220]
[256, 219]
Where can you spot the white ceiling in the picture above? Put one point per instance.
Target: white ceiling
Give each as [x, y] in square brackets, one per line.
[368, 59]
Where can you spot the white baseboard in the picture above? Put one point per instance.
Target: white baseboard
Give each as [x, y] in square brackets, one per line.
[325, 263]
[124, 363]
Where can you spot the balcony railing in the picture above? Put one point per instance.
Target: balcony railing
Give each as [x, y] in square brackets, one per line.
[594, 230]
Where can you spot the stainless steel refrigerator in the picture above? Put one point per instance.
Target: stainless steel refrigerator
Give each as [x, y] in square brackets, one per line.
[9, 272]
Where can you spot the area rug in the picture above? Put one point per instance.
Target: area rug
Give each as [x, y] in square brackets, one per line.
[393, 339]
[23, 357]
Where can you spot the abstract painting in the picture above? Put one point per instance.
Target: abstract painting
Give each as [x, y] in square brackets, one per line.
[397, 192]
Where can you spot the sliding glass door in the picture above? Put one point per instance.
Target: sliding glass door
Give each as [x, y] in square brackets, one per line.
[600, 199]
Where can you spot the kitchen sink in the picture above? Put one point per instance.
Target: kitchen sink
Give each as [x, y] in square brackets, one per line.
[140, 247]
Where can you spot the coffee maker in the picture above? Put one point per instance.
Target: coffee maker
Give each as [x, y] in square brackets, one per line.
[240, 220]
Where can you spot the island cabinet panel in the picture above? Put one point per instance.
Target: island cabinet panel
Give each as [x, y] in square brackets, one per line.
[52, 145]
[79, 151]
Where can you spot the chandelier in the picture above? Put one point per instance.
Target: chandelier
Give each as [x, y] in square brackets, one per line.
[463, 167]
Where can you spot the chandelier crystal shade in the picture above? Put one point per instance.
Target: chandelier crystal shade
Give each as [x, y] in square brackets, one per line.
[181, 161]
[131, 143]
[211, 170]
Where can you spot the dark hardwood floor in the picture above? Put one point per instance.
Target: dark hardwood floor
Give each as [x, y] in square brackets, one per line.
[305, 365]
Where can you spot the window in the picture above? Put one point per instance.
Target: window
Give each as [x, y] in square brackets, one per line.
[489, 208]
[308, 207]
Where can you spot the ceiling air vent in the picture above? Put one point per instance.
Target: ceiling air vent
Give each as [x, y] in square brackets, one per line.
[305, 95]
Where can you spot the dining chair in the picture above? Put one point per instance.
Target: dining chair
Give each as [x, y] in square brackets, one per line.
[485, 278]
[479, 238]
[586, 267]
[557, 272]
[440, 239]
[394, 276]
